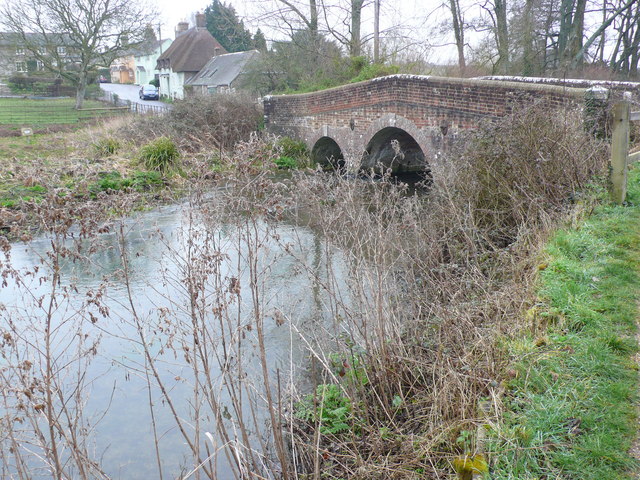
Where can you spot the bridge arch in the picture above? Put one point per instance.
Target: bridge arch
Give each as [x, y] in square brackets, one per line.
[327, 152]
[395, 143]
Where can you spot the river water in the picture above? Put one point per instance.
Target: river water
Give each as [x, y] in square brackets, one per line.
[245, 272]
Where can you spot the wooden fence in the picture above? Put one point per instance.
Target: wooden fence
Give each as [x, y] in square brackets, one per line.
[44, 113]
[621, 116]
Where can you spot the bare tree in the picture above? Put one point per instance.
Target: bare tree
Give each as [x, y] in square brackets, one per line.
[355, 43]
[458, 32]
[579, 54]
[376, 31]
[74, 37]
[346, 15]
[625, 57]
[501, 34]
[498, 25]
[290, 16]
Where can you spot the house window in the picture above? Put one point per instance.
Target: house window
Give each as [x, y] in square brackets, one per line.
[62, 50]
[21, 67]
[42, 50]
[20, 51]
[39, 66]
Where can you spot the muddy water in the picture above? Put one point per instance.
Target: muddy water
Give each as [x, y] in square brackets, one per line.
[291, 264]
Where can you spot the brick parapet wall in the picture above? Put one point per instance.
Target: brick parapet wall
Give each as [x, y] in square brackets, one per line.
[477, 97]
[426, 105]
[617, 88]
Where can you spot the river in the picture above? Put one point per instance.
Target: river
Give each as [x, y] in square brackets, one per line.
[250, 277]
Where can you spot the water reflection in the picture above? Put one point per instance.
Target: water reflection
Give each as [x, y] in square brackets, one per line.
[280, 264]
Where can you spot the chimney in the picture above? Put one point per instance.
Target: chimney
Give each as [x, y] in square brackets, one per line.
[201, 20]
[181, 28]
[216, 51]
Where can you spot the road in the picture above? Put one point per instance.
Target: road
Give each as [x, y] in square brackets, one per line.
[129, 92]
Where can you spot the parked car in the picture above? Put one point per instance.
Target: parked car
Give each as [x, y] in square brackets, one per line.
[149, 92]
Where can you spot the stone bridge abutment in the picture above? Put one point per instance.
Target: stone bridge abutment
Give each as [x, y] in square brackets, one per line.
[401, 121]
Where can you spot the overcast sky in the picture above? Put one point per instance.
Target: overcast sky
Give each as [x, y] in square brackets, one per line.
[173, 11]
[417, 31]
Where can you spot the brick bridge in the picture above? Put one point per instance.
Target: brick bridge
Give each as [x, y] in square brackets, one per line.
[358, 124]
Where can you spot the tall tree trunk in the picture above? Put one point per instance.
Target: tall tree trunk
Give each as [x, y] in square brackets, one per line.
[626, 61]
[614, 55]
[502, 36]
[626, 42]
[458, 32]
[603, 37]
[313, 17]
[550, 56]
[81, 89]
[576, 35]
[580, 55]
[356, 18]
[376, 31]
[528, 54]
[566, 20]
[635, 46]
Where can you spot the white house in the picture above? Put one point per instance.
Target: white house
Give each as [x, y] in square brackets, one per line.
[189, 52]
[146, 61]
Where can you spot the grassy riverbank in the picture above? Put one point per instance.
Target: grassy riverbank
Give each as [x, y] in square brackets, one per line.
[128, 163]
[570, 408]
[413, 297]
[76, 166]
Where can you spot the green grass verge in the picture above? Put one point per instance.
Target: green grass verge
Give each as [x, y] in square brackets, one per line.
[13, 196]
[45, 112]
[38, 146]
[138, 181]
[570, 411]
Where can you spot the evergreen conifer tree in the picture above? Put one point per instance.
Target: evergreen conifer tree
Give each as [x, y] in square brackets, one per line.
[223, 23]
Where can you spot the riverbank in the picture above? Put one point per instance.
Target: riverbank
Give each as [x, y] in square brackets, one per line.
[410, 296]
[571, 400]
[74, 165]
[105, 163]
[95, 166]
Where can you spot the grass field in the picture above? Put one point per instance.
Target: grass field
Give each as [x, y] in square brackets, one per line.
[36, 113]
[570, 408]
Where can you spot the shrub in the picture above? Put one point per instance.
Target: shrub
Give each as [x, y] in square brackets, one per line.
[286, 163]
[39, 85]
[155, 82]
[218, 121]
[113, 181]
[374, 70]
[145, 180]
[92, 91]
[291, 154]
[293, 148]
[106, 147]
[329, 407]
[520, 170]
[201, 123]
[107, 181]
[160, 155]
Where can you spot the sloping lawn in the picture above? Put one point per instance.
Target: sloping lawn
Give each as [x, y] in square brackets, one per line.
[38, 113]
[571, 404]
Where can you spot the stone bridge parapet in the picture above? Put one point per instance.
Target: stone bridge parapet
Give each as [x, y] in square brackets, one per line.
[357, 124]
